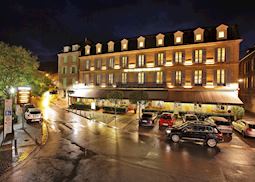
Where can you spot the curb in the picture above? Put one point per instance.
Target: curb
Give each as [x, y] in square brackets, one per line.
[15, 166]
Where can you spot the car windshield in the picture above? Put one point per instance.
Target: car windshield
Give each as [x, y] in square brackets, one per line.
[166, 117]
[35, 112]
[147, 115]
[191, 118]
[222, 123]
[252, 126]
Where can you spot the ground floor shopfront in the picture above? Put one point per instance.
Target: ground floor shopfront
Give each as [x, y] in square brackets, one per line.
[216, 102]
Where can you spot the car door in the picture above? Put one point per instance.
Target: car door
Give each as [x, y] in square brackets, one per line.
[188, 132]
[199, 132]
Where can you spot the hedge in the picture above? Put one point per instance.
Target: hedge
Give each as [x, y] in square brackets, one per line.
[119, 110]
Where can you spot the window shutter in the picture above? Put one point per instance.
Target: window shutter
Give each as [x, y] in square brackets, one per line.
[204, 56]
[183, 77]
[183, 57]
[173, 58]
[192, 78]
[215, 77]
[164, 62]
[173, 78]
[120, 63]
[227, 55]
[137, 56]
[216, 55]
[156, 59]
[144, 61]
[227, 76]
[193, 56]
[204, 77]
[71, 69]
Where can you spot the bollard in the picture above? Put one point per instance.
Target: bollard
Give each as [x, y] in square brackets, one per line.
[15, 147]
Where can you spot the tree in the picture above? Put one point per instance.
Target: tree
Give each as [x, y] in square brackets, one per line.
[114, 96]
[238, 112]
[19, 67]
[137, 98]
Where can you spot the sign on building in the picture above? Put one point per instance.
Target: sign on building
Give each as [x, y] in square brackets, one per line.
[24, 95]
[7, 116]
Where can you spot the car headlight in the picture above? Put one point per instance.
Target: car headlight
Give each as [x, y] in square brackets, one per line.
[168, 131]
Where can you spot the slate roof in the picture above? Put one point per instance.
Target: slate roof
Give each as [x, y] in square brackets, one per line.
[150, 40]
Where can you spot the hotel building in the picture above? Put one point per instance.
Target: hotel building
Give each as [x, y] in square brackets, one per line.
[195, 69]
[247, 80]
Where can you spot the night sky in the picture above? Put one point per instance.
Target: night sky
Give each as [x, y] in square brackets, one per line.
[46, 26]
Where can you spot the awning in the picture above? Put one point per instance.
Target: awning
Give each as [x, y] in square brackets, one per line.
[206, 97]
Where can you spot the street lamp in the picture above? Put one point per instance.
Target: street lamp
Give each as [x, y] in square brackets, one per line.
[12, 90]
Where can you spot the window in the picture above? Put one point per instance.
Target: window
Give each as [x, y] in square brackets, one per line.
[160, 59]
[110, 46]
[74, 59]
[198, 37]
[124, 62]
[64, 82]
[65, 59]
[110, 78]
[124, 78]
[87, 49]
[98, 48]
[64, 71]
[221, 54]
[86, 79]
[73, 81]
[178, 77]
[140, 78]
[178, 57]
[111, 63]
[98, 64]
[221, 34]
[159, 79]
[160, 42]
[87, 64]
[178, 40]
[124, 46]
[198, 77]
[220, 77]
[140, 61]
[141, 44]
[73, 69]
[199, 56]
[98, 79]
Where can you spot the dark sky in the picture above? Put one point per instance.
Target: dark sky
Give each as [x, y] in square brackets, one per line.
[46, 26]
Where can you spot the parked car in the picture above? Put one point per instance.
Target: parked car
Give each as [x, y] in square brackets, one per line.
[222, 124]
[148, 119]
[166, 119]
[27, 106]
[190, 117]
[33, 115]
[247, 128]
[53, 92]
[195, 131]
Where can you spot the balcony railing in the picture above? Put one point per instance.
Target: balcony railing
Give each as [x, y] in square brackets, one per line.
[144, 85]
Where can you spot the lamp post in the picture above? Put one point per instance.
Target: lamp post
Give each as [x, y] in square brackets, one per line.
[68, 96]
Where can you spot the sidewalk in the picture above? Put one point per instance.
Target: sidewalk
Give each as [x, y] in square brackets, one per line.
[27, 140]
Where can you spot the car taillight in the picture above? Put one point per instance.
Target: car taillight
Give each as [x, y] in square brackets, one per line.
[219, 135]
[248, 130]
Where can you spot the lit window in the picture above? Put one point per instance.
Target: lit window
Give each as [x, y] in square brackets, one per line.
[198, 56]
[140, 78]
[124, 78]
[111, 78]
[221, 54]
[178, 57]
[140, 61]
[124, 46]
[87, 65]
[220, 77]
[198, 77]
[221, 34]
[141, 44]
[86, 79]
[178, 40]
[159, 78]
[87, 51]
[124, 62]
[160, 59]
[73, 70]
[98, 64]
[178, 77]
[160, 41]
[111, 63]
[99, 50]
[98, 79]
[198, 37]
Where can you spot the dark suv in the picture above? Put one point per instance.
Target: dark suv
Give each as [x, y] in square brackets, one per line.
[196, 131]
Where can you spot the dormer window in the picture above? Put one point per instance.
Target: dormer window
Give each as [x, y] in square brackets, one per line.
[110, 46]
[160, 39]
[98, 48]
[141, 42]
[178, 37]
[87, 50]
[199, 35]
[222, 32]
[66, 48]
[124, 44]
[75, 47]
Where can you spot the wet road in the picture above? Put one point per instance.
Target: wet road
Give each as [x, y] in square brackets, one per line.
[82, 150]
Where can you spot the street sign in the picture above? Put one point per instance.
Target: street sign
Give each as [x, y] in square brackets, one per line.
[24, 95]
[93, 105]
[7, 116]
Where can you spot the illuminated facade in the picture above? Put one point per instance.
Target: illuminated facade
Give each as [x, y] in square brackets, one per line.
[192, 66]
[247, 82]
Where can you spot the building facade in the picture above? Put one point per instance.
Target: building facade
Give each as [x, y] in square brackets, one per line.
[182, 69]
[247, 82]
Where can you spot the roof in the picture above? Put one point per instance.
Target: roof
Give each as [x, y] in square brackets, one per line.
[216, 118]
[208, 97]
[150, 40]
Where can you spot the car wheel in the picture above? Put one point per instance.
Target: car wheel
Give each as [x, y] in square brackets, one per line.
[175, 138]
[243, 133]
[211, 142]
